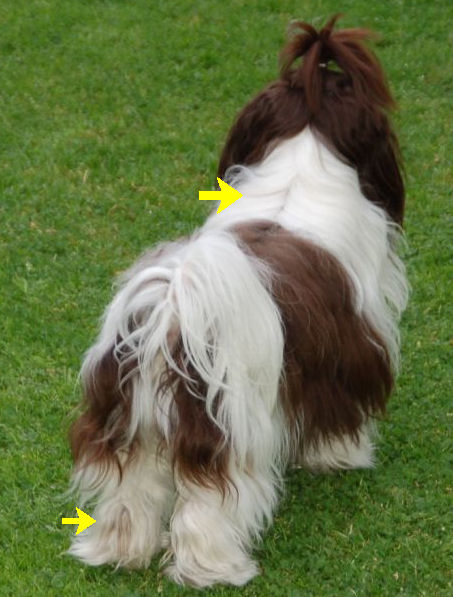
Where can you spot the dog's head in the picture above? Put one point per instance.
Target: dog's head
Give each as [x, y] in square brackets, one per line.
[331, 81]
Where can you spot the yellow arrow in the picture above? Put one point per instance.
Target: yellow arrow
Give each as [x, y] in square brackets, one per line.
[84, 521]
[227, 195]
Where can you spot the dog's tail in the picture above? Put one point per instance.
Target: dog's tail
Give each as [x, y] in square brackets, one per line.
[190, 352]
[331, 81]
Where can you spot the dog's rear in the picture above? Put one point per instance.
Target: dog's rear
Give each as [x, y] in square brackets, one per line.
[269, 336]
[181, 392]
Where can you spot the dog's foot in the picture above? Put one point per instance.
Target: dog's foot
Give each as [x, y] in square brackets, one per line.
[340, 453]
[208, 545]
[117, 539]
[203, 568]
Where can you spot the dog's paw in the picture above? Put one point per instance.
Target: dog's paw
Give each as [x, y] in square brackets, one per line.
[205, 569]
[117, 540]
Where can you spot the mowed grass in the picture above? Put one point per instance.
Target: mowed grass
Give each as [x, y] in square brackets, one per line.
[112, 115]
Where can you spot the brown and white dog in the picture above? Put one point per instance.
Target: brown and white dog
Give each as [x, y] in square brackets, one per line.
[267, 338]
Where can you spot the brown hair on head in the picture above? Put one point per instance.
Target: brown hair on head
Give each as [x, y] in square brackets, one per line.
[347, 105]
[346, 50]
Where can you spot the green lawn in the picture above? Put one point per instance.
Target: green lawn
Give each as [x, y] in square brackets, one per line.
[112, 115]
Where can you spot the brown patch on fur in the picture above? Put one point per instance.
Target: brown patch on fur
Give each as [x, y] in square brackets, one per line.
[348, 107]
[199, 449]
[99, 435]
[337, 371]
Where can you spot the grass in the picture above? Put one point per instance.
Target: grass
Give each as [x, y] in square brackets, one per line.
[112, 115]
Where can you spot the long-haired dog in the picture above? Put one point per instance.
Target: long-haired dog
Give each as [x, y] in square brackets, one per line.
[270, 337]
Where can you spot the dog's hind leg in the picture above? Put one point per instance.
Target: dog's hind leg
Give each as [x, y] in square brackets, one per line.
[211, 532]
[130, 511]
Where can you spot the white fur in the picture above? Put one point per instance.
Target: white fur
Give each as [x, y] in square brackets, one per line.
[306, 188]
[341, 453]
[216, 298]
[129, 515]
[211, 535]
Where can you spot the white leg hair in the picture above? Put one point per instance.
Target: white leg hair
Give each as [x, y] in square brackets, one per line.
[129, 512]
[342, 453]
[211, 535]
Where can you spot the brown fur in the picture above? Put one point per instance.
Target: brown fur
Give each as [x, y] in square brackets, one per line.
[336, 370]
[198, 447]
[348, 107]
[98, 436]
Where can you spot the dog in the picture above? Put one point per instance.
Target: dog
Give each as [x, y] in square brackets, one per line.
[269, 338]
